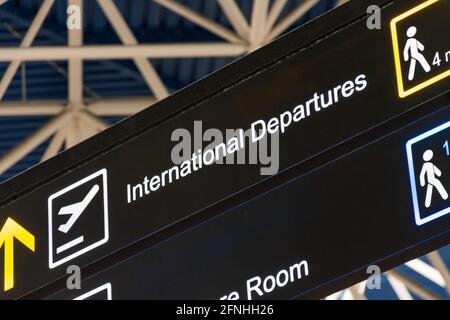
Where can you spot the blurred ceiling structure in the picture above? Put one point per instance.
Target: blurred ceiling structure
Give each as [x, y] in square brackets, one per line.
[68, 85]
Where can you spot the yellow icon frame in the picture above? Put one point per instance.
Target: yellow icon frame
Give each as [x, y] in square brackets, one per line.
[398, 70]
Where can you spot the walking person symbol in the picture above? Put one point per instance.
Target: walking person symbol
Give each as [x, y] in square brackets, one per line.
[412, 52]
[428, 177]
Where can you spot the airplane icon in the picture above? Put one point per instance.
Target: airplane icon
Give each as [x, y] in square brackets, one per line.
[69, 221]
[76, 209]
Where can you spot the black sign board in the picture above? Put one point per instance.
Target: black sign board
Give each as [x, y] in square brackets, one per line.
[319, 97]
[267, 248]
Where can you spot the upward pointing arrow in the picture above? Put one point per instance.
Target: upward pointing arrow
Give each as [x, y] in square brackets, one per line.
[11, 230]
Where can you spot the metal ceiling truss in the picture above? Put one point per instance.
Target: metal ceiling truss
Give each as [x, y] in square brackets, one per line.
[403, 285]
[77, 118]
[80, 117]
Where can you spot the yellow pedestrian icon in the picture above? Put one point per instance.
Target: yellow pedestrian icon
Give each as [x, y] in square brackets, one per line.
[421, 57]
[12, 230]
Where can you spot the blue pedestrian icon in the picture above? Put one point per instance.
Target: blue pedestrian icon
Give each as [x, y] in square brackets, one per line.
[429, 174]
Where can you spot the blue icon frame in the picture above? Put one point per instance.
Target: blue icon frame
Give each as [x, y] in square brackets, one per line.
[412, 177]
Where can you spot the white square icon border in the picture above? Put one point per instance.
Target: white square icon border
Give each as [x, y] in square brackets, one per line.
[412, 176]
[106, 287]
[51, 262]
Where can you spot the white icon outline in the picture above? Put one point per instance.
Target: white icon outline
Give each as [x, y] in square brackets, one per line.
[418, 219]
[54, 264]
[106, 286]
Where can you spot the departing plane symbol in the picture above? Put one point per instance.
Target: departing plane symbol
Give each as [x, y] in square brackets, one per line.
[76, 209]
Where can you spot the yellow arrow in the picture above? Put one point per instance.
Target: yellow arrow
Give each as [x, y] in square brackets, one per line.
[11, 230]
